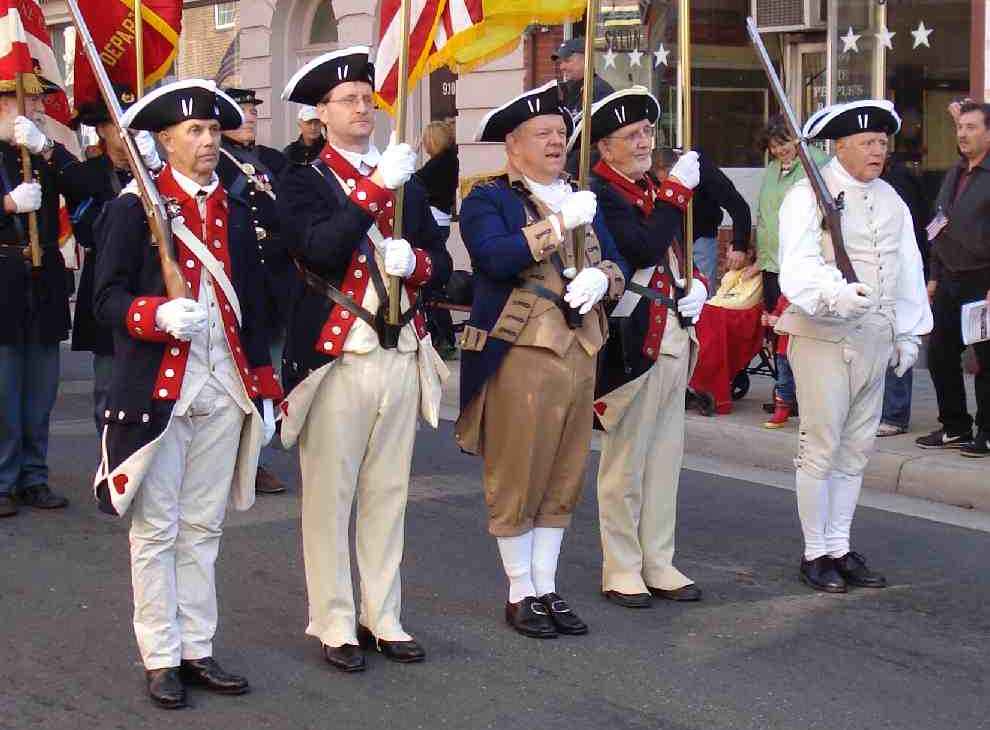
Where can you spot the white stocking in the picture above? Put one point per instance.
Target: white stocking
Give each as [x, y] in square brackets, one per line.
[517, 559]
[546, 551]
[843, 495]
[812, 502]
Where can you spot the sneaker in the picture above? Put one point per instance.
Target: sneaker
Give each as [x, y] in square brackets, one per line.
[889, 429]
[978, 447]
[40, 496]
[939, 439]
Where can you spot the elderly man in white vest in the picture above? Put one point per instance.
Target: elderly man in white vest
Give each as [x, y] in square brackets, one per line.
[843, 334]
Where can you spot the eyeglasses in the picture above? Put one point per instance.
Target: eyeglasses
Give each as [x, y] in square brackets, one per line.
[646, 133]
[354, 100]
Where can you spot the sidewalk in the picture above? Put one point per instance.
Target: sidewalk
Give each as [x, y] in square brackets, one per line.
[897, 465]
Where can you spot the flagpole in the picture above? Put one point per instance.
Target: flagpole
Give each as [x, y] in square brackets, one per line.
[684, 67]
[139, 49]
[401, 112]
[28, 174]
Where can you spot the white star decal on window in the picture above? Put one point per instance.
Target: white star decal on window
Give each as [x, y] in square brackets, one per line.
[850, 41]
[885, 38]
[635, 57]
[610, 57]
[921, 34]
[660, 56]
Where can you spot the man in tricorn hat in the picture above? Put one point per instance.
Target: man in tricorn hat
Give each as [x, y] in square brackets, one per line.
[250, 170]
[645, 366]
[34, 300]
[192, 390]
[528, 363]
[356, 381]
[844, 333]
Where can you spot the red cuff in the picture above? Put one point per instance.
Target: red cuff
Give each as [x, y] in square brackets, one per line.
[140, 320]
[676, 194]
[371, 198]
[424, 268]
[268, 386]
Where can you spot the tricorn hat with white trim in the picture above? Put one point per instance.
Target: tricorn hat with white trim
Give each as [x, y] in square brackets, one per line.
[180, 101]
[617, 110]
[310, 84]
[854, 117]
[497, 123]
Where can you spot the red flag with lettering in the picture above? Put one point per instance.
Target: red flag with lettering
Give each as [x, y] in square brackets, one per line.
[111, 23]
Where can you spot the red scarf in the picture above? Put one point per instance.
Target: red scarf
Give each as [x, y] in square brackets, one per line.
[641, 194]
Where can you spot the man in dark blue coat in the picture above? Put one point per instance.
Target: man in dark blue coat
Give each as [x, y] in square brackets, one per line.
[528, 367]
[356, 381]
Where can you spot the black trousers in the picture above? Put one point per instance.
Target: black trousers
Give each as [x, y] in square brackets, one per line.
[945, 348]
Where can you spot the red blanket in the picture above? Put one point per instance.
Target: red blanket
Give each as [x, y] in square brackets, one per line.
[729, 339]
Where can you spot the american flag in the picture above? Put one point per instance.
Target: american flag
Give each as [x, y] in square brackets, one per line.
[424, 17]
[228, 64]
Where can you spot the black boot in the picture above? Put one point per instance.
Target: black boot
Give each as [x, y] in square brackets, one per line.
[821, 575]
[207, 673]
[852, 567]
[165, 687]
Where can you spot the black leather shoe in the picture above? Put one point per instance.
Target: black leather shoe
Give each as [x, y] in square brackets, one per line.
[207, 673]
[404, 652]
[852, 567]
[530, 618]
[821, 575]
[8, 507]
[346, 657]
[690, 592]
[165, 688]
[40, 496]
[564, 619]
[629, 600]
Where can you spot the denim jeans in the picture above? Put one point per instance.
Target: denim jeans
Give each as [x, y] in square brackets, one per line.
[897, 398]
[102, 372]
[276, 347]
[28, 384]
[706, 259]
[784, 388]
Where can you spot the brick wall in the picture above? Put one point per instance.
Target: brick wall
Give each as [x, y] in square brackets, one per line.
[201, 45]
[537, 47]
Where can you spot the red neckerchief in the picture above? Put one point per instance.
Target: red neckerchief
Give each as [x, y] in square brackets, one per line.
[641, 194]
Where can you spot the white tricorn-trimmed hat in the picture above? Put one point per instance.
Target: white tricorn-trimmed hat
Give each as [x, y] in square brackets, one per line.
[617, 110]
[497, 123]
[182, 100]
[854, 117]
[311, 83]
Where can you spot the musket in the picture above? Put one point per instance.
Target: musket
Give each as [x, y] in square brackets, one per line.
[684, 71]
[154, 206]
[831, 208]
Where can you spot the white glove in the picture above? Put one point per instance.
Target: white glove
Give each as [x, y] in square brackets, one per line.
[268, 414]
[182, 318]
[853, 300]
[691, 304]
[149, 151]
[398, 163]
[399, 258]
[26, 197]
[687, 169]
[578, 209]
[904, 356]
[27, 134]
[586, 289]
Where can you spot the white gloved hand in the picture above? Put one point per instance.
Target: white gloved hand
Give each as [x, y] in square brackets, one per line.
[578, 209]
[399, 258]
[853, 300]
[149, 151]
[268, 414]
[691, 304]
[26, 197]
[182, 318]
[687, 170]
[904, 356]
[586, 289]
[398, 164]
[27, 134]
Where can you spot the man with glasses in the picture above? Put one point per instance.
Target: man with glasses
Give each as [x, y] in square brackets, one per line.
[354, 380]
[645, 365]
[843, 333]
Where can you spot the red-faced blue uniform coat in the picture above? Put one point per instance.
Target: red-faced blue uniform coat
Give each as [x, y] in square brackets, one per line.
[149, 365]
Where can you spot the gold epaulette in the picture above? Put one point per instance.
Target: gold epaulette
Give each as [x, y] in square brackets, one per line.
[467, 184]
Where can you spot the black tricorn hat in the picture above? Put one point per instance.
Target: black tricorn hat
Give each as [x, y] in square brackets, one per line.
[617, 110]
[310, 84]
[242, 96]
[96, 112]
[497, 123]
[180, 101]
[842, 120]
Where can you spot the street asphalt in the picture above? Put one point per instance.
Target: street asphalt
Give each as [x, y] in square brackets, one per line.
[760, 651]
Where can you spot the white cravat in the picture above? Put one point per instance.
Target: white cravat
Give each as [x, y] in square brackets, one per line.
[363, 162]
[552, 195]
